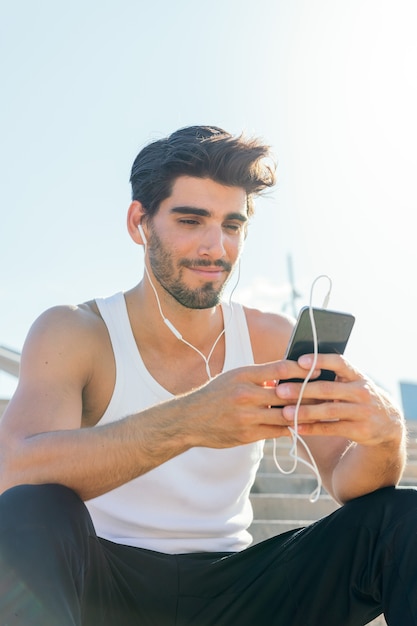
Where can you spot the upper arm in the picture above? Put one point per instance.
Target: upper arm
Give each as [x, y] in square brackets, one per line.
[269, 333]
[54, 369]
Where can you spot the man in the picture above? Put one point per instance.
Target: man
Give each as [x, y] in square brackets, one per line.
[130, 446]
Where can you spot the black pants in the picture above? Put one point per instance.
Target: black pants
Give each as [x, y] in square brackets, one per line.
[342, 570]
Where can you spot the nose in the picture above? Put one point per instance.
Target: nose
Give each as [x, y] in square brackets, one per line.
[212, 242]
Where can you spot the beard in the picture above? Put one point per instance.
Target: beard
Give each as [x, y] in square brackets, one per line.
[163, 268]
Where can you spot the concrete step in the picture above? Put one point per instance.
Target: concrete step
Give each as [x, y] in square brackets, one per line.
[284, 444]
[262, 529]
[410, 470]
[268, 464]
[283, 506]
[274, 482]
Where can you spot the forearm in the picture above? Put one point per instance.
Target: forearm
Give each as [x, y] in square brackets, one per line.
[230, 410]
[92, 461]
[362, 469]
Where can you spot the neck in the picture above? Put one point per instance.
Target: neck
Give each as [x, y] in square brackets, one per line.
[181, 334]
[174, 324]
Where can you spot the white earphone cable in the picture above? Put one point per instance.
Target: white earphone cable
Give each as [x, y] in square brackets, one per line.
[296, 438]
[176, 332]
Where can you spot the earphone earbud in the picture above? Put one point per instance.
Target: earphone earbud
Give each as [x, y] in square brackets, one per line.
[142, 234]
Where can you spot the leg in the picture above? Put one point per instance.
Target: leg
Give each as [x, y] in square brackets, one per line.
[54, 570]
[364, 562]
[44, 533]
[343, 570]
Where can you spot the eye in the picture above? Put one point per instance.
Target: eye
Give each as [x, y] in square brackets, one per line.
[188, 221]
[234, 227]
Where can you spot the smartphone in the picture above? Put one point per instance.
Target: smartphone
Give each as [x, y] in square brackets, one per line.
[333, 331]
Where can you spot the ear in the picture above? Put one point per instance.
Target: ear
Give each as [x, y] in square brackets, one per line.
[135, 215]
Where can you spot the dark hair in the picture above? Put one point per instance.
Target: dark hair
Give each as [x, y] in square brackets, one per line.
[203, 152]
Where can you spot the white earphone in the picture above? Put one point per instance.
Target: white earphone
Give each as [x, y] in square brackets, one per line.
[170, 325]
[142, 234]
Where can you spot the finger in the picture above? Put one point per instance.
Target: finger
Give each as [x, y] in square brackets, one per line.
[334, 362]
[339, 428]
[323, 412]
[253, 401]
[321, 391]
[358, 431]
[264, 374]
[272, 431]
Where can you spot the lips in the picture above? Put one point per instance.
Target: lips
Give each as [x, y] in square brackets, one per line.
[219, 266]
[210, 272]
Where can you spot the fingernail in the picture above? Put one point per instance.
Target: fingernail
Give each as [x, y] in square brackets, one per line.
[305, 360]
[283, 391]
[288, 412]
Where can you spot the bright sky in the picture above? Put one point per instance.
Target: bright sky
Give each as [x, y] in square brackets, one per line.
[330, 84]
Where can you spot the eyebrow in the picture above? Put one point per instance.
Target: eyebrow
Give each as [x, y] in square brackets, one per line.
[191, 210]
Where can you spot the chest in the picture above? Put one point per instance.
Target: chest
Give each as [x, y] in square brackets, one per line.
[126, 367]
[139, 371]
[183, 369]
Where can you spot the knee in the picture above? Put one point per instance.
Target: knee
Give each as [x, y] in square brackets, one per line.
[400, 500]
[394, 497]
[45, 535]
[386, 505]
[48, 506]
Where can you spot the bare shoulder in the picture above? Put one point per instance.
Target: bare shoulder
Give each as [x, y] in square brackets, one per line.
[269, 333]
[64, 331]
[67, 317]
[68, 344]
[66, 369]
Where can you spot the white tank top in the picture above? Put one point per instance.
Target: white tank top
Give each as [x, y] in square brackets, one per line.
[197, 501]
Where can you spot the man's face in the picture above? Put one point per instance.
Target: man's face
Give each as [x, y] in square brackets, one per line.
[195, 239]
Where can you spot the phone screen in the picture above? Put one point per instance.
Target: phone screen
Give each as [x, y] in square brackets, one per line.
[333, 331]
